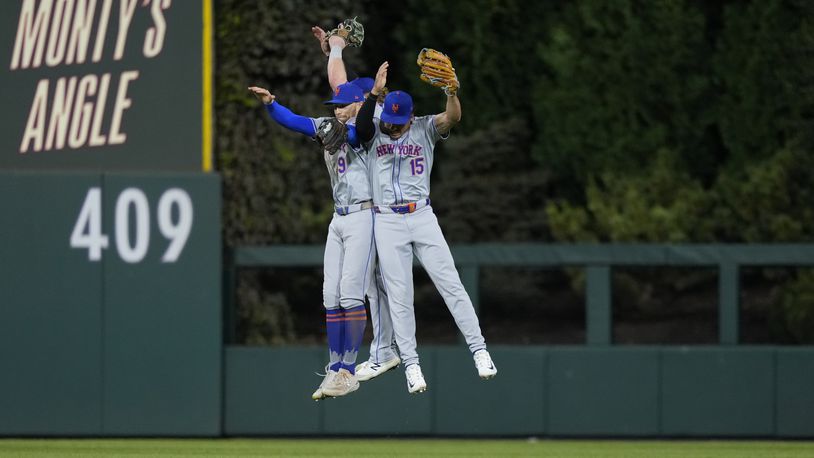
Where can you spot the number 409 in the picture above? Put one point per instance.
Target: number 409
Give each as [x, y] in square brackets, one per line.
[87, 232]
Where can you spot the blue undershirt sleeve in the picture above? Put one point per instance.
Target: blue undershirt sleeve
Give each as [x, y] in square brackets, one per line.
[353, 138]
[291, 121]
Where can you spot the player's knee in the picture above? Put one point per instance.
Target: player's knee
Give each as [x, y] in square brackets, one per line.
[351, 302]
[330, 300]
[454, 290]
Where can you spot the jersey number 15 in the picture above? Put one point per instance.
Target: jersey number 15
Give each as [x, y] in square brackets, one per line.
[417, 166]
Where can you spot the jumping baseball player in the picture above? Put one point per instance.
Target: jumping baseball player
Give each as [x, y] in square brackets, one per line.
[383, 351]
[350, 251]
[400, 150]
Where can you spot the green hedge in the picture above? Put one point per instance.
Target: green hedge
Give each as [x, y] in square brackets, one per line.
[630, 120]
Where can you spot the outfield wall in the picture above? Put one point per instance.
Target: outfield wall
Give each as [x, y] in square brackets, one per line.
[126, 339]
[110, 248]
[539, 391]
[110, 304]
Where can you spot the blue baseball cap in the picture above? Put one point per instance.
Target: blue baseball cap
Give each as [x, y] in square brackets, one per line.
[398, 107]
[364, 83]
[345, 94]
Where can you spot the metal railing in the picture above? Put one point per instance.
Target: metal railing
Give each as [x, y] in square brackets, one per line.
[596, 259]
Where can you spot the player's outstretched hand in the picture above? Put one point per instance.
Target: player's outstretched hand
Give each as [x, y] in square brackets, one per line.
[320, 34]
[381, 78]
[262, 94]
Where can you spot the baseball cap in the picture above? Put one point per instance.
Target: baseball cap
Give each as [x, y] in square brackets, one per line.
[345, 94]
[364, 83]
[398, 107]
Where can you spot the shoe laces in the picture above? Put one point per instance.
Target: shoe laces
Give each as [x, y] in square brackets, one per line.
[482, 358]
[413, 372]
[326, 371]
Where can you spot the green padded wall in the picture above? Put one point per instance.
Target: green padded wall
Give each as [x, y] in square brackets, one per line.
[511, 403]
[269, 389]
[539, 391]
[163, 320]
[386, 407]
[96, 345]
[603, 391]
[795, 392]
[50, 309]
[718, 391]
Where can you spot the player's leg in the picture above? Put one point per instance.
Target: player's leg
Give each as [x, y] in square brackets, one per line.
[393, 242]
[357, 274]
[383, 346]
[433, 252]
[383, 353]
[357, 263]
[332, 273]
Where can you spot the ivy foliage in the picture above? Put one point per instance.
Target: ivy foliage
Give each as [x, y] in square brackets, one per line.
[626, 121]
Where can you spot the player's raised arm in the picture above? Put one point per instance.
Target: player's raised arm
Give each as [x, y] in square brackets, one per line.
[332, 47]
[444, 122]
[283, 115]
[337, 74]
[348, 33]
[437, 69]
[364, 120]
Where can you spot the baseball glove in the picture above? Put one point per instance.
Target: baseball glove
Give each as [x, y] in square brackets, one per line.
[437, 69]
[331, 134]
[351, 31]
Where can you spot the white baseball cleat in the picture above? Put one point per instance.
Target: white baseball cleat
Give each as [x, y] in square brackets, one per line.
[415, 379]
[483, 362]
[319, 394]
[368, 369]
[343, 383]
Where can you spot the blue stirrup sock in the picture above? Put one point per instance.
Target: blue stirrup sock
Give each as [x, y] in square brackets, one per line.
[336, 332]
[355, 320]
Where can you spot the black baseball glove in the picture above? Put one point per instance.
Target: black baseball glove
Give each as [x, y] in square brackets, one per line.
[331, 134]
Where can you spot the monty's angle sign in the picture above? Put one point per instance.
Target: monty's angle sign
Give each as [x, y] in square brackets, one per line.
[105, 84]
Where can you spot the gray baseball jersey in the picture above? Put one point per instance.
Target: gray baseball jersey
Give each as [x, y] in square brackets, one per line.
[400, 174]
[400, 169]
[350, 183]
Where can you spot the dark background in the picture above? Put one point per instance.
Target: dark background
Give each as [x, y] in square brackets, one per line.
[671, 121]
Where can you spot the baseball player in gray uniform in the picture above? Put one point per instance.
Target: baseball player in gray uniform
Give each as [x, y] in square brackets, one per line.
[350, 250]
[400, 150]
[383, 351]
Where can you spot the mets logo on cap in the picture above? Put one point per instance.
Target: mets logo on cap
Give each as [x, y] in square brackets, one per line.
[345, 94]
[398, 108]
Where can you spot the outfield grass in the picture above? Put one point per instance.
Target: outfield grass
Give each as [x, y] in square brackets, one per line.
[400, 448]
